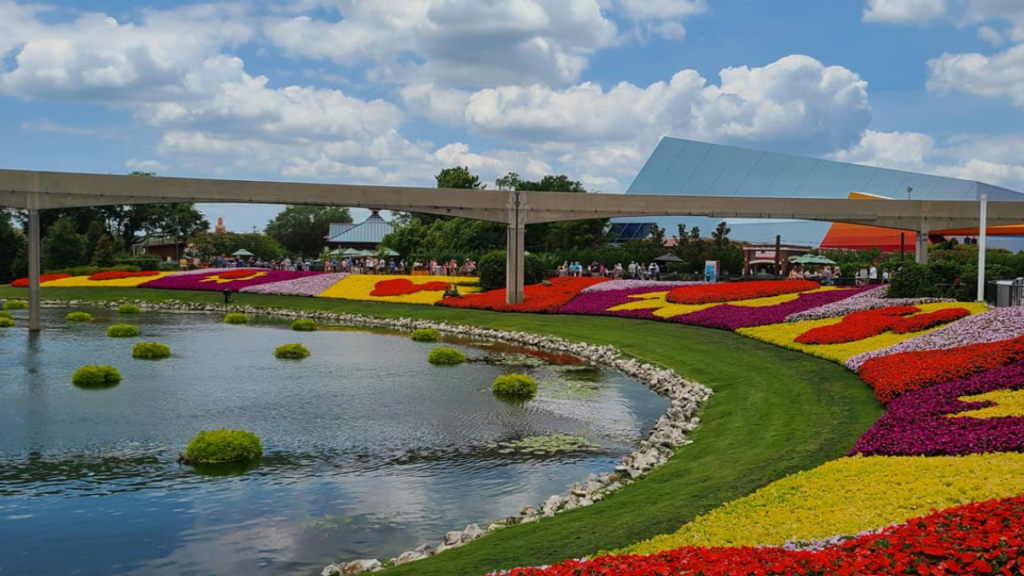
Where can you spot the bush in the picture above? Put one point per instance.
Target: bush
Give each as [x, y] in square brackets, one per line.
[78, 317]
[304, 325]
[6, 322]
[169, 267]
[491, 269]
[4, 314]
[15, 305]
[129, 309]
[426, 335]
[217, 446]
[236, 318]
[291, 352]
[93, 376]
[151, 351]
[515, 385]
[139, 263]
[446, 357]
[123, 331]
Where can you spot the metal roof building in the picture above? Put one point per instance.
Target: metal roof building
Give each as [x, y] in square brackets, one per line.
[366, 235]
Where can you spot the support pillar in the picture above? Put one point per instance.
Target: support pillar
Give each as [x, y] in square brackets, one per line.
[34, 292]
[515, 266]
[921, 251]
[982, 242]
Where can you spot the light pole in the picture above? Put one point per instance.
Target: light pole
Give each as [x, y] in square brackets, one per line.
[910, 190]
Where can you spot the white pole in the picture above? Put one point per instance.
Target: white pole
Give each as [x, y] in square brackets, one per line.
[34, 293]
[982, 241]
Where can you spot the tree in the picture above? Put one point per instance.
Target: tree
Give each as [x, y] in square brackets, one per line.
[63, 246]
[720, 237]
[209, 245]
[11, 242]
[459, 177]
[556, 235]
[105, 253]
[302, 230]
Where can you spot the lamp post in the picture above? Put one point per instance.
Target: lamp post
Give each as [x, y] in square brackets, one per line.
[910, 190]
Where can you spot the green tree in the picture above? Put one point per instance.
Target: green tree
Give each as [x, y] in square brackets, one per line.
[11, 242]
[459, 177]
[210, 245]
[63, 246]
[302, 230]
[105, 253]
[556, 235]
[720, 237]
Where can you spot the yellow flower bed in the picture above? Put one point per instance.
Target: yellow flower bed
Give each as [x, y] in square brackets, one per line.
[1009, 403]
[847, 496]
[359, 286]
[84, 282]
[664, 309]
[784, 334]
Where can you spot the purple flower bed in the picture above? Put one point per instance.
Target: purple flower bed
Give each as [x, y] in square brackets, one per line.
[598, 303]
[1000, 324]
[308, 286]
[195, 281]
[918, 423]
[650, 285]
[729, 317]
[871, 299]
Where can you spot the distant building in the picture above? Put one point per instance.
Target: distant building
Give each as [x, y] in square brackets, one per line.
[364, 236]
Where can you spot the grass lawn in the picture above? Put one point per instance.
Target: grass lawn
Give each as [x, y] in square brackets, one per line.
[774, 412]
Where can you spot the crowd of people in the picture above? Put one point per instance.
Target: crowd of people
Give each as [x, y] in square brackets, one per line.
[634, 271]
[831, 276]
[369, 265]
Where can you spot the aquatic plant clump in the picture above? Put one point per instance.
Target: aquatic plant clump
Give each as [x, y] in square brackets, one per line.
[5, 314]
[426, 335]
[6, 322]
[78, 317]
[151, 351]
[96, 376]
[514, 385]
[291, 352]
[15, 305]
[446, 357]
[304, 325]
[236, 318]
[545, 445]
[123, 331]
[218, 446]
[128, 309]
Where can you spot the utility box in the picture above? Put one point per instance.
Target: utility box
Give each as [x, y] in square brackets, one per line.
[1010, 293]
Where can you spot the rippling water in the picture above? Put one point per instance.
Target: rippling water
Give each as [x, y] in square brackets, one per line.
[370, 451]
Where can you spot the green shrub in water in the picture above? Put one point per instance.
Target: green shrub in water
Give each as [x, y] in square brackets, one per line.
[426, 335]
[92, 376]
[4, 314]
[78, 317]
[6, 322]
[123, 331]
[15, 305]
[217, 446]
[304, 325]
[514, 385]
[236, 318]
[291, 352]
[446, 357]
[151, 351]
[129, 309]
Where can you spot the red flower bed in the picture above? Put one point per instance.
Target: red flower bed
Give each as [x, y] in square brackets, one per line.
[982, 538]
[401, 287]
[539, 298]
[23, 282]
[734, 291]
[119, 275]
[236, 274]
[926, 321]
[860, 325]
[896, 374]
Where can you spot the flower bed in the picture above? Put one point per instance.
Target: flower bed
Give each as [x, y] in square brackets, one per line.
[538, 297]
[897, 374]
[941, 421]
[736, 316]
[404, 286]
[897, 319]
[124, 282]
[870, 299]
[23, 282]
[650, 285]
[363, 286]
[992, 326]
[100, 276]
[217, 280]
[847, 496]
[980, 538]
[307, 286]
[734, 291]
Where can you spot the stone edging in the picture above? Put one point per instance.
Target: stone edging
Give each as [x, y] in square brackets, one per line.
[669, 432]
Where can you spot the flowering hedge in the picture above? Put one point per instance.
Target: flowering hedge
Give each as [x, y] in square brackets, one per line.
[847, 496]
[870, 299]
[217, 280]
[363, 287]
[947, 419]
[23, 282]
[100, 276]
[733, 291]
[897, 374]
[992, 326]
[861, 325]
[307, 286]
[981, 538]
[538, 297]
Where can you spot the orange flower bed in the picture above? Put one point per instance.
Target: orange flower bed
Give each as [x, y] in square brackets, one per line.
[539, 298]
[23, 282]
[735, 291]
[401, 287]
[869, 323]
[99, 276]
[894, 375]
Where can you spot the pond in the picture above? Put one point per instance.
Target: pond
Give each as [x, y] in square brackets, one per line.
[369, 450]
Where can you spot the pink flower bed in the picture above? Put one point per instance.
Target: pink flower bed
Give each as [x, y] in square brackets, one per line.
[205, 281]
[728, 317]
[871, 299]
[308, 286]
[994, 326]
[597, 303]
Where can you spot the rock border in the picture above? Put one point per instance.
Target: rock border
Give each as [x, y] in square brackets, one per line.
[669, 432]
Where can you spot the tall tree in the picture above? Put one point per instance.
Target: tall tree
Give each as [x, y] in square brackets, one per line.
[11, 242]
[63, 246]
[134, 224]
[454, 177]
[556, 235]
[720, 237]
[302, 230]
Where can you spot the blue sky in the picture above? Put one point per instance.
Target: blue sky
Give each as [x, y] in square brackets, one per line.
[391, 92]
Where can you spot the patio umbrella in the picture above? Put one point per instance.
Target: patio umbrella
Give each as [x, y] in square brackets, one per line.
[668, 258]
[242, 252]
[351, 252]
[386, 252]
[805, 259]
[824, 261]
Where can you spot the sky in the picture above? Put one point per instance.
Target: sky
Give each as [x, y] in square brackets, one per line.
[372, 92]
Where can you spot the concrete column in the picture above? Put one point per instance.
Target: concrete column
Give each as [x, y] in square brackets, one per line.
[982, 244]
[921, 253]
[515, 266]
[34, 292]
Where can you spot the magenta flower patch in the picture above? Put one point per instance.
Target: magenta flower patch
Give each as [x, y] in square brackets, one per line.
[211, 281]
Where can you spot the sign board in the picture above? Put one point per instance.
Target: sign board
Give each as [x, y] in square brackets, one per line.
[764, 255]
[711, 271]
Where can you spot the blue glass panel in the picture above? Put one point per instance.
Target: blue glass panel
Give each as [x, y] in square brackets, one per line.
[789, 183]
[709, 170]
[952, 189]
[729, 181]
[888, 183]
[923, 184]
[852, 178]
[654, 169]
[683, 168]
[821, 179]
[760, 179]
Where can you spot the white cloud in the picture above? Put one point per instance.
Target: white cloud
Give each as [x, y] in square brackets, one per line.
[997, 76]
[904, 11]
[898, 150]
[144, 165]
[662, 17]
[990, 35]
